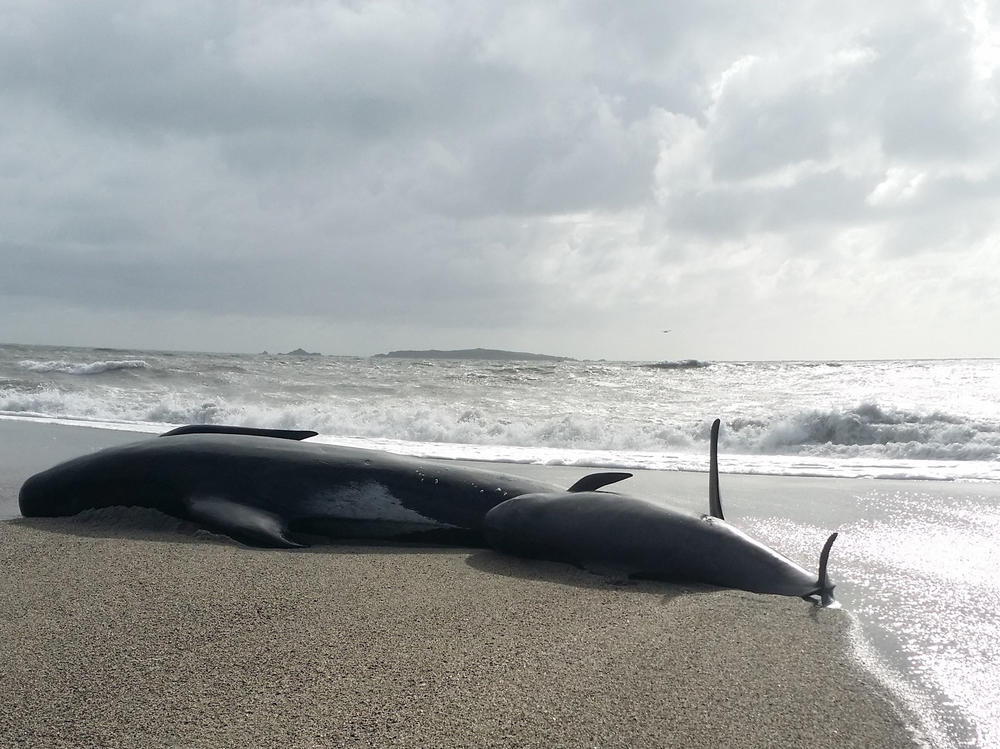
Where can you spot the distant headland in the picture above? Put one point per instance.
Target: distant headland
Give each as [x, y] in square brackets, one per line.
[300, 352]
[487, 354]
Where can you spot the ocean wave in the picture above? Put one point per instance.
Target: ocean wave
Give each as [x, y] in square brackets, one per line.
[563, 420]
[679, 364]
[870, 430]
[80, 368]
[764, 465]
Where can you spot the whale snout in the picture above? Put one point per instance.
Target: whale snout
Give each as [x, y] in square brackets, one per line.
[50, 493]
[34, 499]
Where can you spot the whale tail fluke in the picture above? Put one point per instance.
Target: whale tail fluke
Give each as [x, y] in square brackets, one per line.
[714, 499]
[824, 586]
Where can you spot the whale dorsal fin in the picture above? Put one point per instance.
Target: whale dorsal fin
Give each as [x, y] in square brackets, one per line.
[594, 481]
[714, 500]
[825, 586]
[285, 434]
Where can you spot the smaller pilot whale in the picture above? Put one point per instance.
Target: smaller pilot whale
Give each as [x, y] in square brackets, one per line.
[614, 532]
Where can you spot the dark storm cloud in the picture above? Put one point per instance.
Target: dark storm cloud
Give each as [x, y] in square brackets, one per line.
[354, 281]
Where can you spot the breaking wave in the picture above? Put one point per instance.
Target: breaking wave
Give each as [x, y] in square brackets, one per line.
[679, 364]
[858, 419]
[869, 429]
[80, 368]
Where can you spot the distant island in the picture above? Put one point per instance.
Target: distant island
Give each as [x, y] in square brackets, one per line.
[488, 354]
[302, 352]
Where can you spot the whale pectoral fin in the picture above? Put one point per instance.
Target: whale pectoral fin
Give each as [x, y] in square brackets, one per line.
[284, 434]
[594, 481]
[249, 525]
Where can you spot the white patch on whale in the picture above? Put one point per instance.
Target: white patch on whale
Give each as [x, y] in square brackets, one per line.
[367, 500]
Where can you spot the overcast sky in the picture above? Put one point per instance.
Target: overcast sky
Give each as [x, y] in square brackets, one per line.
[767, 180]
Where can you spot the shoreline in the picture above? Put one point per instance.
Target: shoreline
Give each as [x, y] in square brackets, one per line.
[138, 632]
[762, 465]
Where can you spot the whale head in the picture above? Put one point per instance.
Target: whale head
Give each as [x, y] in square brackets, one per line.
[103, 479]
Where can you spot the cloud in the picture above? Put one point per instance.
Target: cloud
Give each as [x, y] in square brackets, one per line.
[557, 172]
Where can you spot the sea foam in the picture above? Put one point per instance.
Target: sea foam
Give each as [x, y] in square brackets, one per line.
[886, 419]
[82, 368]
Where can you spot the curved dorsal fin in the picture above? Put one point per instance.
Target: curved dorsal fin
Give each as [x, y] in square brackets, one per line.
[825, 586]
[594, 481]
[714, 500]
[285, 434]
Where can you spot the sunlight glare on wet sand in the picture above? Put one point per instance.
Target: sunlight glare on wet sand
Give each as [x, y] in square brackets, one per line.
[921, 571]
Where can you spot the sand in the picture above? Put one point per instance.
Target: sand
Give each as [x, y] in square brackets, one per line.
[144, 634]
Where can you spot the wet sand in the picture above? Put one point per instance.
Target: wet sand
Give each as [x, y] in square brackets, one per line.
[134, 630]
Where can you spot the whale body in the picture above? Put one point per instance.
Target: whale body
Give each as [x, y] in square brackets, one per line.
[617, 533]
[266, 487]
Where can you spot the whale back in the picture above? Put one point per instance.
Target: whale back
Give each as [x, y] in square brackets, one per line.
[643, 539]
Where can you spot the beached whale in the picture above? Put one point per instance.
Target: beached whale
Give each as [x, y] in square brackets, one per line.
[610, 532]
[265, 487]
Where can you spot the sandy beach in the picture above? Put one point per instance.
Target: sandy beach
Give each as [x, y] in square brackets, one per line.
[147, 634]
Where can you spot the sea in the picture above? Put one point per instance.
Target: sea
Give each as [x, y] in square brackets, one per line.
[917, 441]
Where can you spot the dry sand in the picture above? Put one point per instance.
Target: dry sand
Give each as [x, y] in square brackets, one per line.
[146, 636]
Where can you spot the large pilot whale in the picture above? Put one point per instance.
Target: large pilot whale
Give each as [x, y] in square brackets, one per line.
[266, 487]
[610, 532]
